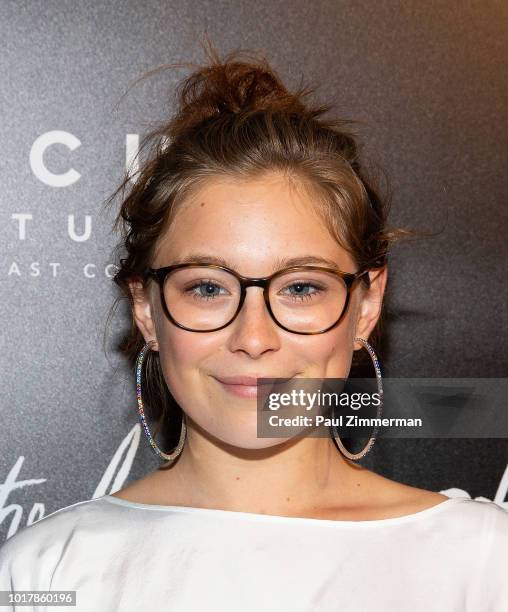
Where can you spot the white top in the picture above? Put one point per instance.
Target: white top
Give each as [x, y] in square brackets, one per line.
[121, 555]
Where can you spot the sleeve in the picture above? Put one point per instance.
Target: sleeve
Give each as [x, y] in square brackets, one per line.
[7, 582]
[491, 581]
[28, 558]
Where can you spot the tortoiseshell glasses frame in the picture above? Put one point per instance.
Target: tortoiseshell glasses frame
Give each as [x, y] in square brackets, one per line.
[350, 279]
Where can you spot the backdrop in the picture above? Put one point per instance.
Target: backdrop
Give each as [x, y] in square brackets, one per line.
[427, 81]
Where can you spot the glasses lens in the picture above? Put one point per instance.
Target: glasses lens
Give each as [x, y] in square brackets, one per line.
[201, 298]
[307, 301]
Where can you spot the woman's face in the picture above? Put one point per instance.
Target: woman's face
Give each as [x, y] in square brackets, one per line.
[252, 225]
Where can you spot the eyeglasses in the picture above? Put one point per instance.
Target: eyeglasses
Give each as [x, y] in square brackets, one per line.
[207, 297]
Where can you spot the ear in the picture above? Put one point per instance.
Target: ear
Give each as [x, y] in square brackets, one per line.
[371, 302]
[142, 311]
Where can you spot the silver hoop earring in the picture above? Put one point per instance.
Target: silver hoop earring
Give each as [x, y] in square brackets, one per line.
[178, 449]
[370, 443]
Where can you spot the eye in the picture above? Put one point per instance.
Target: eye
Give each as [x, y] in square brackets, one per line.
[204, 290]
[302, 290]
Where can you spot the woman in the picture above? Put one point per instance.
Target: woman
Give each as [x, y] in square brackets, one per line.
[248, 181]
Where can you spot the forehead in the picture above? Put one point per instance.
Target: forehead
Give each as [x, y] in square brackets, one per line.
[252, 224]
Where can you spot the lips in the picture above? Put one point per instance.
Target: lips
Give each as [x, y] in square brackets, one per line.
[249, 381]
[244, 386]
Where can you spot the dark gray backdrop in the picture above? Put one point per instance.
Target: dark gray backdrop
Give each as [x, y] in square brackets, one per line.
[427, 80]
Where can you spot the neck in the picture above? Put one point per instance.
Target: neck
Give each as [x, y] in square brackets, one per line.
[295, 476]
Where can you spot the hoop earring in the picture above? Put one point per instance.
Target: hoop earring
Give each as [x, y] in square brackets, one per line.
[183, 432]
[370, 443]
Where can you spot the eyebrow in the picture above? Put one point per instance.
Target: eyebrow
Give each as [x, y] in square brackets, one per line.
[280, 262]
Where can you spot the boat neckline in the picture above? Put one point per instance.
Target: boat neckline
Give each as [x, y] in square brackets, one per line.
[279, 518]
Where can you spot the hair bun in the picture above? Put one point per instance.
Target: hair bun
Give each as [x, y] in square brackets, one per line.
[241, 83]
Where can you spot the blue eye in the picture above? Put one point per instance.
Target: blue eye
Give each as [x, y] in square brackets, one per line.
[300, 293]
[208, 294]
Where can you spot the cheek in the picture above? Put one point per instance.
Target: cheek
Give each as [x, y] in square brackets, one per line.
[328, 355]
[187, 358]
[182, 353]
[180, 350]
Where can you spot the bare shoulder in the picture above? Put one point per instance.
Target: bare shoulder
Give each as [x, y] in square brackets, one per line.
[138, 492]
[397, 498]
[149, 490]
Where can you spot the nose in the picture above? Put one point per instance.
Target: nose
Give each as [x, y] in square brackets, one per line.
[254, 331]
